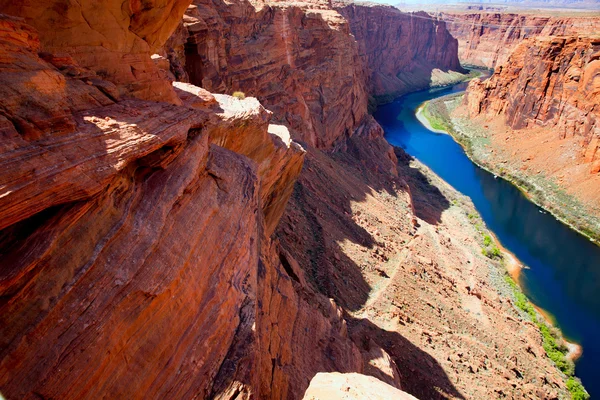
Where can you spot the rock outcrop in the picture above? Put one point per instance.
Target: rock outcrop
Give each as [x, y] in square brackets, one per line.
[112, 40]
[311, 64]
[135, 250]
[402, 52]
[487, 39]
[551, 82]
[336, 386]
[298, 60]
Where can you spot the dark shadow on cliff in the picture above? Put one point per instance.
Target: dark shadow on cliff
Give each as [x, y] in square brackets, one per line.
[420, 374]
[428, 200]
[320, 215]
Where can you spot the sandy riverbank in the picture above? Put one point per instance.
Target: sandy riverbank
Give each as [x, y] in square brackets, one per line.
[423, 120]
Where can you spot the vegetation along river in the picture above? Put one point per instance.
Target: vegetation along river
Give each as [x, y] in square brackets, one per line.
[562, 274]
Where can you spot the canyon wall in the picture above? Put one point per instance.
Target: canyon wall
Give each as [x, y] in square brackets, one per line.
[400, 50]
[487, 39]
[314, 66]
[136, 253]
[551, 82]
[298, 60]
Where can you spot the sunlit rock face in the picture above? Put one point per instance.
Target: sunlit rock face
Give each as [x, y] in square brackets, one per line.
[112, 39]
[487, 39]
[312, 63]
[298, 59]
[401, 50]
[336, 386]
[552, 82]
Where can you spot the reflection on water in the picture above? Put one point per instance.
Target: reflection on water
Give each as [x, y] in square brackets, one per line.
[563, 274]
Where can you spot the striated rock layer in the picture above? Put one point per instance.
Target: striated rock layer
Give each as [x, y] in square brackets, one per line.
[299, 60]
[402, 52]
[135, 250]
[113, 40]
[487, 39]
[312, 65]
[549, 82]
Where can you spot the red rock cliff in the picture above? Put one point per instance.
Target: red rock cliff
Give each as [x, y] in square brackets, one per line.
[400, 50]
[312, 65]
[487, 39]
[299, 60]
[135, 250]
[551, 82]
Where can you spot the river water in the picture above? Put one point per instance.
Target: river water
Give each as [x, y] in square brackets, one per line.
[563, 267]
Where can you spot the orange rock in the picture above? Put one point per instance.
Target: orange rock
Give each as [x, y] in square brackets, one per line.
[415, 44]
[553, 82]
[114, 39]
[488, 38]
[303, 66]
[336, 386]
[313, 65]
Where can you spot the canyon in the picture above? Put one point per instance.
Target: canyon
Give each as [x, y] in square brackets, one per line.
[540, 111]
[163, 239]
[487, 39]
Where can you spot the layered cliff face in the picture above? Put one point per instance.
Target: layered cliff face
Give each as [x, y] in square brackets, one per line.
[314, 66]
[112, 40]
[549, 82]
[402, 52]
[136, 258]
[539, 116]
[487, 39]
[299, 60]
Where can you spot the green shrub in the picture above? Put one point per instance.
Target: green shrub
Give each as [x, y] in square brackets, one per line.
[577, 390]
[491, 253]
[239, 95]
[553, 344]
[487, 240]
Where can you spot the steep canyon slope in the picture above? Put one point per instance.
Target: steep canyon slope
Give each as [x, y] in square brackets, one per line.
[136, 258]
[314, 66]
[542, 110]
[488, 38]
[141, 249]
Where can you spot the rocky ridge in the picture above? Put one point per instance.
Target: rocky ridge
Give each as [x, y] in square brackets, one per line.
[136, 254]
[487, 39]
[559, 91]
[312, 64]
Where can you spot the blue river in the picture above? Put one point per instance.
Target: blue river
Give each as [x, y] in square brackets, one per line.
[563, 267]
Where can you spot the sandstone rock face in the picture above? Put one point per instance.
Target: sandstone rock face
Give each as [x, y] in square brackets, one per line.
[400, 50]
[114, 39]
[312, 65]
[135, 257]
[336, 386]
[487, 39]
[551, 82]
[300, 61]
